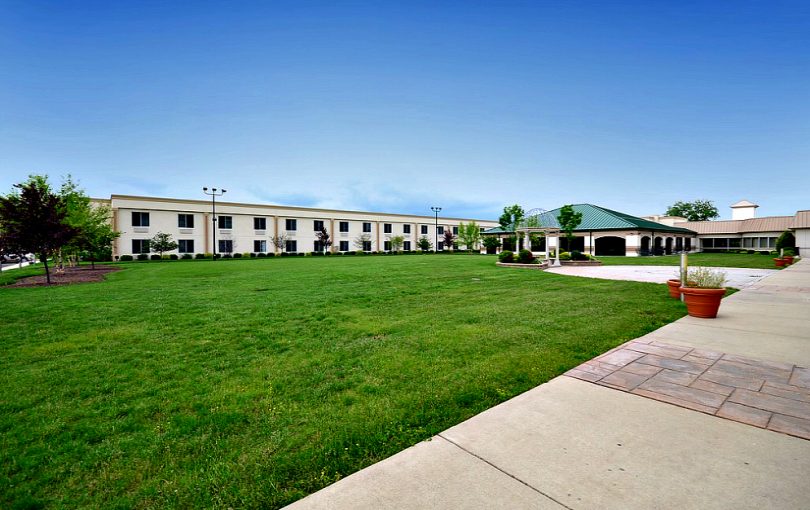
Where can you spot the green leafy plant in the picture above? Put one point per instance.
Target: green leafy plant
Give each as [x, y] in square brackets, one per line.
[785, 240]
[569, 220]
[564, 255]
[491, 242]
[705, 278]
[525, 257]
[506, 256]
[469, 235]
[697, 210]
[125, 258]
[424, 244]
[162, 242]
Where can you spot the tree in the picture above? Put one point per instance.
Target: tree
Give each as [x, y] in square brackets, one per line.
[697, 210]
[362, 242]
[424, 244]
[491, 242]
[469, 235]
[95, 234]
[512, 215]
[162, 242]
[448, 238]
[397, 242]
[323, 239]
[279, 242]
[33, 219]
[785, 240]
[569, 220]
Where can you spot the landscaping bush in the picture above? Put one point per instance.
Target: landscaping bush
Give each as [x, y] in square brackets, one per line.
[351, 253]
[767, 253]
[125, 258]
[261, 255]
[302, 254]
[173, 256]
[199, 256]
[578, 255]
[270, 254]
[237, 255]
[525, 257]
[328, 253]
[506, 256]
[155, 257]
[226, 256]
[186, 256]
[786, 240]
[252, 255]
[750, 252]
[564, 255]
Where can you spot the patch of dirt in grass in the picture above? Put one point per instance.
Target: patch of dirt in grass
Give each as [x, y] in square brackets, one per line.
[70, 275]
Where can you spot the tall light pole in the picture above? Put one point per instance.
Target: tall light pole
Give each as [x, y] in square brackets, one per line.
[214, 193]
[436, 227]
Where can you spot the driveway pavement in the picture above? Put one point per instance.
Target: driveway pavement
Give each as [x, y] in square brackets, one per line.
[714, 420]
[738, 278]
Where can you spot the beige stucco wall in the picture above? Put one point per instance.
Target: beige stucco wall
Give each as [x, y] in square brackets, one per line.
[163, 217]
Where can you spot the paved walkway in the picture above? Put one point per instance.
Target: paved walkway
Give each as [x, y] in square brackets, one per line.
[572, 443]
[738, 278]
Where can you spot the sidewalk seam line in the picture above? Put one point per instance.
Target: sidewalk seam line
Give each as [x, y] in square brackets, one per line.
[504, 472]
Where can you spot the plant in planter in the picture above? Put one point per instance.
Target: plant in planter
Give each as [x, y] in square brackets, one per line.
[787, 256]
[703, 292]
[525, 257]
[674, 285]
[779, 261]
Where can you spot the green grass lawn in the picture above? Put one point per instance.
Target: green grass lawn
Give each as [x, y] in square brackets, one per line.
[251, 383]
[744, 260]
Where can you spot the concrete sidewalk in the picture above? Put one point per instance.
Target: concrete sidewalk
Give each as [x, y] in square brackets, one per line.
[736, 277]
[573, 444]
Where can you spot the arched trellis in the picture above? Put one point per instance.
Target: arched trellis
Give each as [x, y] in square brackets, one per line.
[540, 221]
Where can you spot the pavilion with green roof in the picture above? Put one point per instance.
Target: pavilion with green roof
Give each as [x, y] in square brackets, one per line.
[601, 232]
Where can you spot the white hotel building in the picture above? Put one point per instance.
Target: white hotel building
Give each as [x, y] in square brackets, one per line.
[249, 228]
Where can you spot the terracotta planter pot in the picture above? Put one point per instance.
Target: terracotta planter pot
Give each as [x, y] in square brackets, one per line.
[788, 259]
[702, 303]
[779, 262]
[674, 288]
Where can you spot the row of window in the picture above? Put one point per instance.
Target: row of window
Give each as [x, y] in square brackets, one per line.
[141, 219]
[736, 242]
[260, 246]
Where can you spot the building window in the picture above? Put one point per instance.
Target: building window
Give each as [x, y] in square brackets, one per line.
[185, 245]
[225, 222]
[140, 219]
[424, 229]
[387, 245]
[290, 224]
[366, 226]
[259, 223]
[455, 231]
[344, 226]
[344, 246]
[319, 246]
[440, 230]
[318, 225]
[185, 221]
[406, 246]
[140, 246]
[225, 246]
[259, 246]
[291, 246]
[406, 229]
[366, 245]
[386, 228]
[440, 246]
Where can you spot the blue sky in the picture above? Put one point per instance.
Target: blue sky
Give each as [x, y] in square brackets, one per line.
[397, 106]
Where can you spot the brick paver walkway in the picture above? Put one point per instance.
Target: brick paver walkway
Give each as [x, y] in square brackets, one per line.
[765, 394]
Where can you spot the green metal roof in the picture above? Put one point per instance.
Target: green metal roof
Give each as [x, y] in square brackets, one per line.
[595, 218]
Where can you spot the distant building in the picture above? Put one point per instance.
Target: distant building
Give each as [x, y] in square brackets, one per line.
[250, 228]
[607, 232]
[747, 232]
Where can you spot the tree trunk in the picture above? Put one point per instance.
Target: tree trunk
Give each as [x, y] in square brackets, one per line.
[44, 258]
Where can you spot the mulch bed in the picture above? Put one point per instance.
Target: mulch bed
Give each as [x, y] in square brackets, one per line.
[71, 275]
